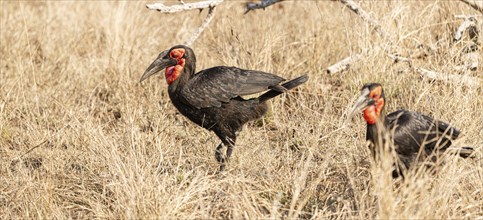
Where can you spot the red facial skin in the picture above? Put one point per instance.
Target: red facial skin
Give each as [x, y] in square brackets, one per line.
[173, 72]
[372, 113]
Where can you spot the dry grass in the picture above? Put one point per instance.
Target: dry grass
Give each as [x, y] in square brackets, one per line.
[81, 138]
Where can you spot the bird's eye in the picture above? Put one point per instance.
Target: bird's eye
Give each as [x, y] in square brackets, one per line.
[173, 54]
[177, 53]
[375, 93]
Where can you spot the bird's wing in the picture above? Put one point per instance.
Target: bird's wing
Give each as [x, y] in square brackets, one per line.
[214, 86]
[443, 128]
[412, 129]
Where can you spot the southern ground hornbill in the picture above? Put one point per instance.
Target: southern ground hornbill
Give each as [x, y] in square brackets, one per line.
[212, 98]
[415, 137]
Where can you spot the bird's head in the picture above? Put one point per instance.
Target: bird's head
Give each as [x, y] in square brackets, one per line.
[174, 61]
[370, 102]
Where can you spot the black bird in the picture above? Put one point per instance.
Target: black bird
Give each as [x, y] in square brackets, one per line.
[212, 98]
[414, 136]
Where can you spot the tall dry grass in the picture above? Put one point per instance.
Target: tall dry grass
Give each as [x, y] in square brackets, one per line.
[82, 138]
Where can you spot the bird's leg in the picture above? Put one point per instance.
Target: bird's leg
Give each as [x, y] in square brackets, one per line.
[223, 159]
[228, 139]
[230, 145]
[220, 157]
[218, 154]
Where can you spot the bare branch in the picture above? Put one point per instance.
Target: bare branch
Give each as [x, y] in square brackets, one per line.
[471, 63]
[364, 15]
[183, 7]
[474, 4]
[211, 4]
[470, 22]
[344, 64]
[202, 27]
[470, 57]
[262, 5]
[449, 78]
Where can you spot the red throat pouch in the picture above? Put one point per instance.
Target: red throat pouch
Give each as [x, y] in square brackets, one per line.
[173, 72]
[373, 112]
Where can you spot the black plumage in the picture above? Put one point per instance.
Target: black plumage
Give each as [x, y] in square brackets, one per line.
[212, 98]
[414, 136]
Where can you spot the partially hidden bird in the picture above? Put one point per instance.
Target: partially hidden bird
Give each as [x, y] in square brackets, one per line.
[413, 137]
[212, 98]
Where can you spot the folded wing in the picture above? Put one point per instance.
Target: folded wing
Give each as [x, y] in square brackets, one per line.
[411, 130]
[214, 86]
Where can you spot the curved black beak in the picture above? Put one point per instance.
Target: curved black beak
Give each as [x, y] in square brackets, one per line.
[361, 103]
[159, 64]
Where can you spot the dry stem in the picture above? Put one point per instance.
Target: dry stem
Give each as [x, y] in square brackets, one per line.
[183, 7]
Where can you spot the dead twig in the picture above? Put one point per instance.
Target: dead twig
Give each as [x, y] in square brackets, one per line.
[18, 158]
[450, 78]
[353, 6]
[33, 148]
[211, 4]
[262, 5]
[470, 25]
[183, 7]
[471, 61]
[202, 27]
[344, 64]
[470, 56]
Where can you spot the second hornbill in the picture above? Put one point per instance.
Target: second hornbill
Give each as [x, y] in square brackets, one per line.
[212, 98]
[414, 136]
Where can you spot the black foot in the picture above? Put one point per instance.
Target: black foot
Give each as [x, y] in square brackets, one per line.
[220, 157]
[222, 167]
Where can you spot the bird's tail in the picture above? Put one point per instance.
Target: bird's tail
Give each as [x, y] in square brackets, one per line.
[465, 152]
[288, 85]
